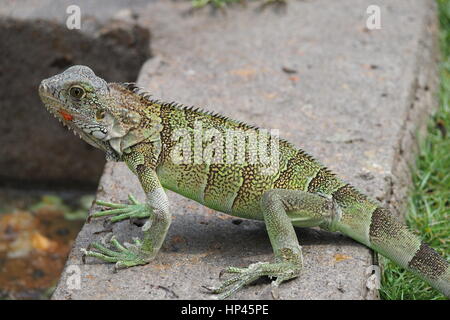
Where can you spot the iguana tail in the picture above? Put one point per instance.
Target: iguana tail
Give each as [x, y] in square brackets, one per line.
[363, 220]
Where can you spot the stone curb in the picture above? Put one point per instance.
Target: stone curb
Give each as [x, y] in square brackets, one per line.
[355, 101]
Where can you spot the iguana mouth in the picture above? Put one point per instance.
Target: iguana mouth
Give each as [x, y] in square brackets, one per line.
[52, 104]
[56, 108]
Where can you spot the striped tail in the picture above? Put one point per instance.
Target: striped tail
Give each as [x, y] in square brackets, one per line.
[393, 240]
[363, 220]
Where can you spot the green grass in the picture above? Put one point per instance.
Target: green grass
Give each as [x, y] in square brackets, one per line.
[429, 201]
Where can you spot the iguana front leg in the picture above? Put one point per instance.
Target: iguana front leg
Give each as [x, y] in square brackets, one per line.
[280, 208]
[156, 208]
[122, 211]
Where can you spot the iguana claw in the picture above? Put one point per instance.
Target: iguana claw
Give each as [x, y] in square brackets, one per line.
[121, 211]
[127, 255]
[282, 271]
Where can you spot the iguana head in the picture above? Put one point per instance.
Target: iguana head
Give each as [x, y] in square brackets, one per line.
[100, 113]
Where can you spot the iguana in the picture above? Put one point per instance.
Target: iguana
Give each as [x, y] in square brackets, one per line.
[146, 134]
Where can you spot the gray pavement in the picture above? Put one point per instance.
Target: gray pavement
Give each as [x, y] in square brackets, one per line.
[352, 97]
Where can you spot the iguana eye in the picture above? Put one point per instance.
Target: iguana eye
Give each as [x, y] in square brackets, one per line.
[100, 114]
[76, 92]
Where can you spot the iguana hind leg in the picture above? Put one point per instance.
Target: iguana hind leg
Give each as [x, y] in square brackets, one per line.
[280, 208]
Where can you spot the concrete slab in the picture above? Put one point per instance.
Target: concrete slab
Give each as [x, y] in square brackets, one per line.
[354, 98]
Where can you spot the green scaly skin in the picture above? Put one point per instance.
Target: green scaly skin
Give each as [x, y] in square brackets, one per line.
[130, 127]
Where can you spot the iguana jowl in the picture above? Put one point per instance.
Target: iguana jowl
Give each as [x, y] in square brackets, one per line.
[131, 127]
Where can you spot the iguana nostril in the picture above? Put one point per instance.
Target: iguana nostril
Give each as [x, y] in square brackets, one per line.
[43, 87]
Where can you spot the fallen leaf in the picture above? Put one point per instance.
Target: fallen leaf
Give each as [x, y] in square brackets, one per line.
[270, 96]
[39, 242]
[243, 73]
[178, 239]
[341, 257]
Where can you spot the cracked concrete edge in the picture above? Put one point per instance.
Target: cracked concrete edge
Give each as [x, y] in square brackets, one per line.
[423, 101]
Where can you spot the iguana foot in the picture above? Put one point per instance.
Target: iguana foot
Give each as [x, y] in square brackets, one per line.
[122, 211]
[126, 256]
[282, 271]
